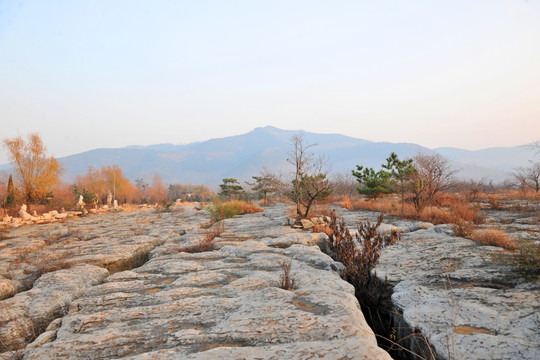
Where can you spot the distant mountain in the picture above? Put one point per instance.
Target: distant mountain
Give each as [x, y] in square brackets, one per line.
[243, 156]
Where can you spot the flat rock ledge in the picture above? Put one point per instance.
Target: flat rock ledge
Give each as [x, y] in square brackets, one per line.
[447, 289]
[221, 304]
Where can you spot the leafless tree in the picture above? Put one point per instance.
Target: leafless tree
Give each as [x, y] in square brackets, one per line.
[528, 177]
[434, 176]
[309, 181]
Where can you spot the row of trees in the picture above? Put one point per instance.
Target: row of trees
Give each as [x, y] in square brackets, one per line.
[38, 181]
[421, 179]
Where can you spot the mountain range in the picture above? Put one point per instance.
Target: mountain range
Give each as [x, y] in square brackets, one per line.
[245, 155]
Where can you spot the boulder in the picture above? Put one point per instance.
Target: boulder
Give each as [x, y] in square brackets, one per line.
[307, 224]
[7, 288]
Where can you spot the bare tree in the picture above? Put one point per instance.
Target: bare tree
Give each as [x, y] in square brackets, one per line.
[528, 177]
[309, 182]
[434, 176]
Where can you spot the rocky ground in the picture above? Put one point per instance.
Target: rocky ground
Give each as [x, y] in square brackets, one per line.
[452, 291]
[120, 286]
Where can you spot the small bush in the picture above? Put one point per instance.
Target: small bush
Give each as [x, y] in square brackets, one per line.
[461, 227]
[436, 215]
[494, 237]
[224, 210]
[467, 213]
[359, 261]
[286, 282]
[494, 202]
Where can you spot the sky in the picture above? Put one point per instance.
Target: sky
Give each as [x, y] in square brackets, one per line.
[93, 74]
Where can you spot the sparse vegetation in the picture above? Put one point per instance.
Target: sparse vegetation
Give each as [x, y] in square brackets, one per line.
[494, 237]
[286, 281]
[220, 210]
[525, 260]
[309, 182]
[359, 261]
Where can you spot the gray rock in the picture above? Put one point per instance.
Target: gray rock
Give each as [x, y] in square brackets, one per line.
[26, 313]
[225, 303]
[445, 287]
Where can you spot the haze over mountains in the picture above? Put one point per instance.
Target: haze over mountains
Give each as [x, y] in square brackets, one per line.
[243, 156]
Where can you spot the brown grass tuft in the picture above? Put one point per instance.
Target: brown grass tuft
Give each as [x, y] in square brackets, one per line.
[494, 237]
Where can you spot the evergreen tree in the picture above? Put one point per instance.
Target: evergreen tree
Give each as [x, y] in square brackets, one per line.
[231, 189]
[10, 198]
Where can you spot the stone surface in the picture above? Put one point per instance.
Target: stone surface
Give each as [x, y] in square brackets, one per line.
[446, 287]
[7, 288]
[25, 314]
[306, 224]
[225, 303]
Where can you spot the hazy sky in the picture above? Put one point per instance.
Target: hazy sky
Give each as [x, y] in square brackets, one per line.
[88, 74]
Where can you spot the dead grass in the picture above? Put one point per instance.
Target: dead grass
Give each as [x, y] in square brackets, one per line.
[387, 205]
[436, 215]
[493, 237]
[220, 210]
[206, 242]
[320, 228]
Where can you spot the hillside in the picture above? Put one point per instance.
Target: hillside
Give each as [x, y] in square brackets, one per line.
[243, 156]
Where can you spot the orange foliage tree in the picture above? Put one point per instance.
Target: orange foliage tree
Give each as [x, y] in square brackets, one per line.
[37, 174]
[108, 178]
[158, 192]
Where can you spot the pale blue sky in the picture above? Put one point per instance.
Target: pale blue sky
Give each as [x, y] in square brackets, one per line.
[88, 74]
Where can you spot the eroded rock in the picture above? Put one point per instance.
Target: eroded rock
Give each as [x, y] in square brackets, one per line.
[224, 303]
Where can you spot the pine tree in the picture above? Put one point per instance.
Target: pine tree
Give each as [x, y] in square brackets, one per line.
[10, 198]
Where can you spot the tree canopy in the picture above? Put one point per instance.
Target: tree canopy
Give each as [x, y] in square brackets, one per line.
[36, 172]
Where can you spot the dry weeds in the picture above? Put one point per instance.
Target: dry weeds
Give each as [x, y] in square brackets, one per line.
[493, 237]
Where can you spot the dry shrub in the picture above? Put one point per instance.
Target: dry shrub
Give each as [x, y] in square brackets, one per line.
[387, 205]
[448, 200]
[468, 213]
[494, 237]
[436, 215]
[530, 195]
[205, 244]
[359, 261]
[220, 210]
[248, 208]
[346, 202]
[494, 202]
[461, 227]
[286, 282]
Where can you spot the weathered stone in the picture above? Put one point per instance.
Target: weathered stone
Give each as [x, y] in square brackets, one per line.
[26, 313]
[7, 288]
[445, 287]
[224, 303]
[307, 224]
